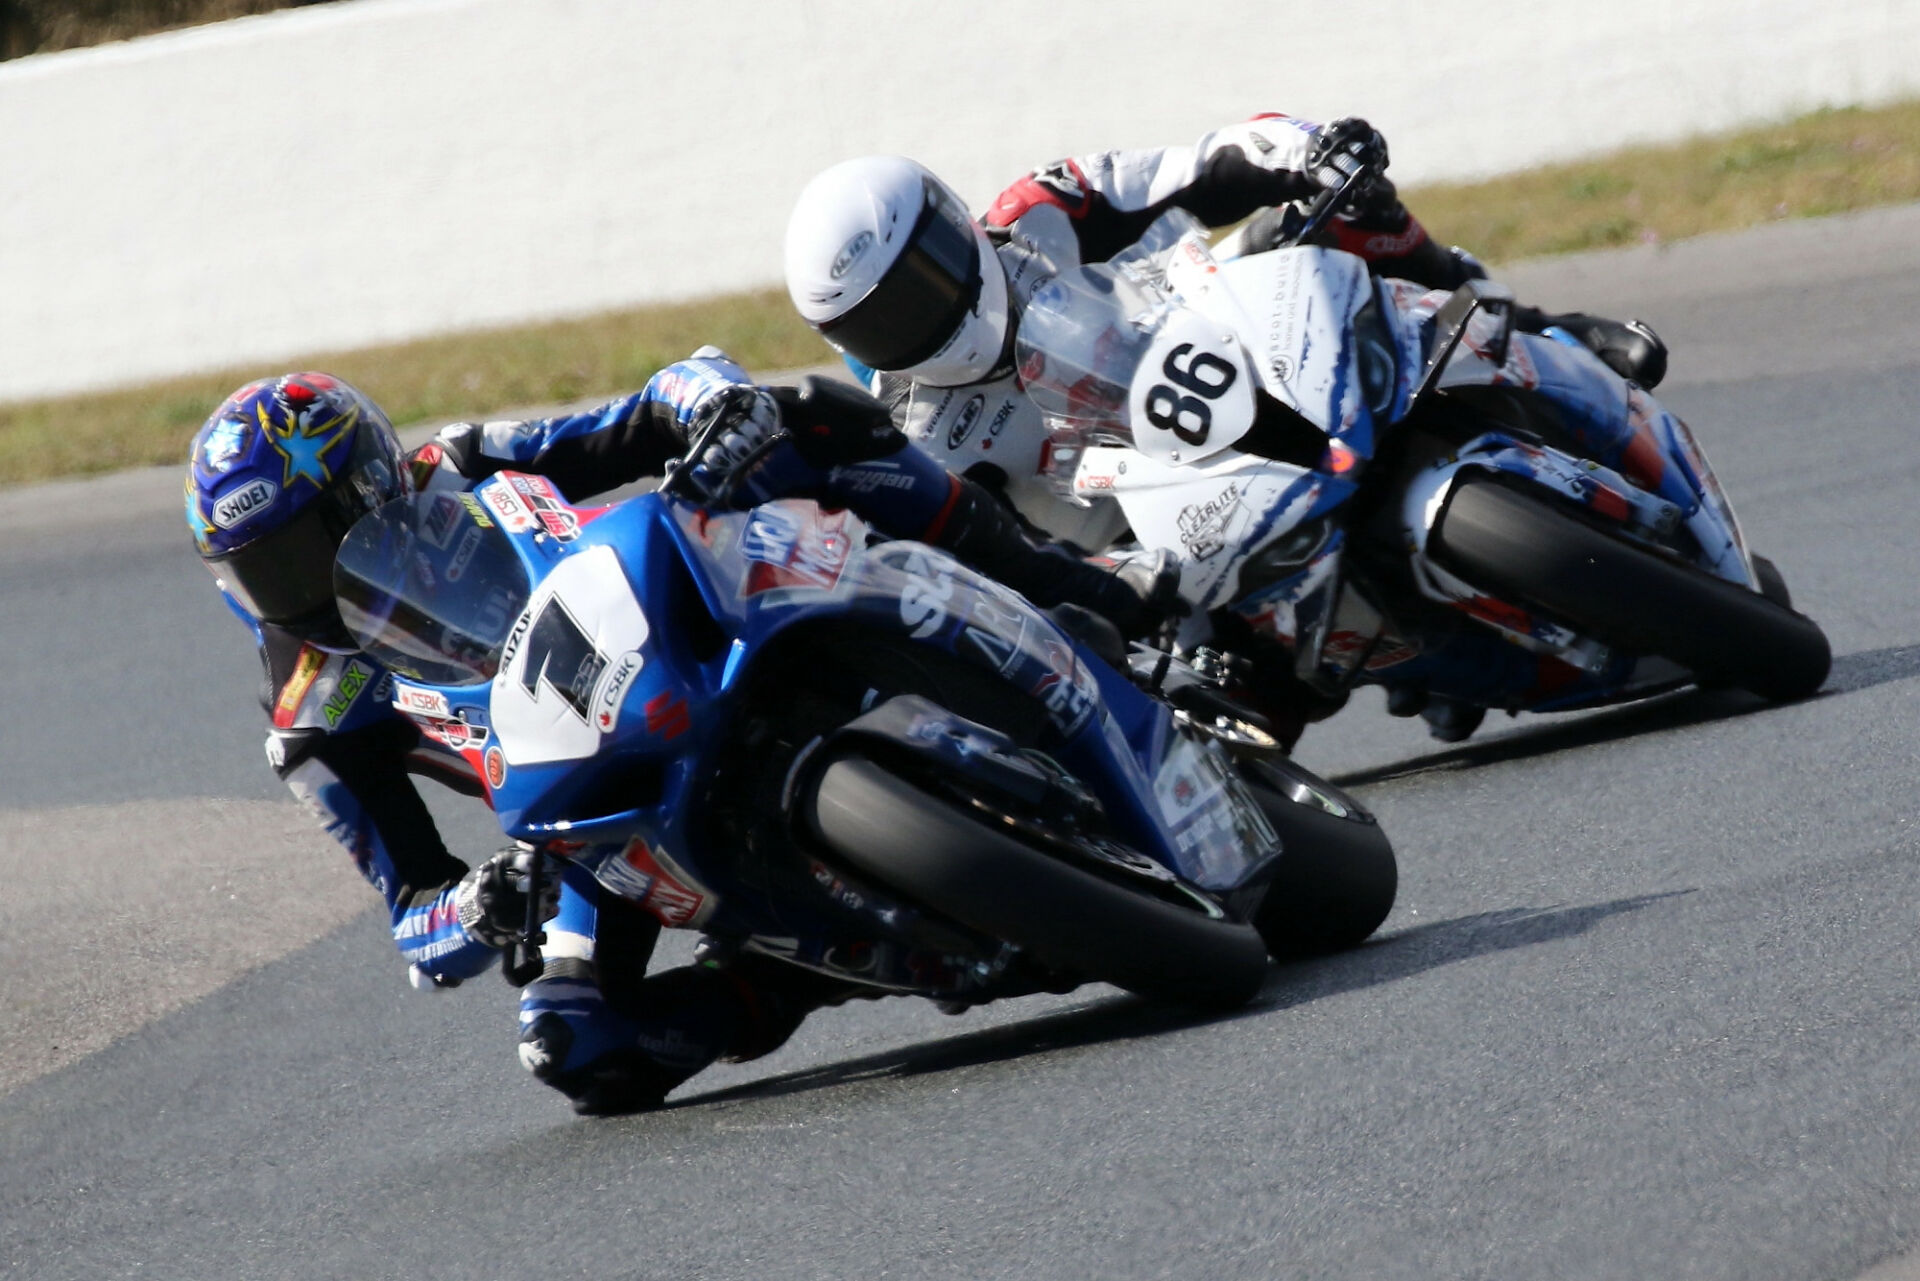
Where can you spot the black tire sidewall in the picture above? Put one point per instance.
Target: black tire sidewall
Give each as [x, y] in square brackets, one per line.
[988, 879]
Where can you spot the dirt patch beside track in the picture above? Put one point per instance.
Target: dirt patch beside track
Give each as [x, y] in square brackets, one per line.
[117, 914]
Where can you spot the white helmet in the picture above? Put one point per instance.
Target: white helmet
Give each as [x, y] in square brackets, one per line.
[884, 262]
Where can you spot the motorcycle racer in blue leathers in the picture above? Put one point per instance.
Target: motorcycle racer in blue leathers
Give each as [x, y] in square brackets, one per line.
[280, 472]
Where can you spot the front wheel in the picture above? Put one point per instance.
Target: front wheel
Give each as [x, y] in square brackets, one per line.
[1336, 876]
[1528, 549]
[981, 873]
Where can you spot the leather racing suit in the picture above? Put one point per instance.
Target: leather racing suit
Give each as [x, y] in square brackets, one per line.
[1088, 208]
[347, 752]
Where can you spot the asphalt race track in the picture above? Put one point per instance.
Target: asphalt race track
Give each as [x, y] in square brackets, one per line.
[1646, 1007]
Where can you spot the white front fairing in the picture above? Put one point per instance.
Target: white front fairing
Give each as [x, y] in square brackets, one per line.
[1215, 514]
[1298, 310]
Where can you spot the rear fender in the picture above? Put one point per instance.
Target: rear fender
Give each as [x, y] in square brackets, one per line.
[1600, 490]
[1203, 826]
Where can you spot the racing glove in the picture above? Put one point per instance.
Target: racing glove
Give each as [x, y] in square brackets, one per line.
[491, 900]
[1344, 147]
[747, 418]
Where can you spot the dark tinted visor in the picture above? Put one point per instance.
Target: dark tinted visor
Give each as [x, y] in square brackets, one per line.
[917, 307]
[286, 577]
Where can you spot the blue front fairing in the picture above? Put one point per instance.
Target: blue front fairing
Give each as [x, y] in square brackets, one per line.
[618, 692]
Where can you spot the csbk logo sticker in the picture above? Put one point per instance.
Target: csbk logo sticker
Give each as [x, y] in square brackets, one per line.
[422, 702]
[244, 503]
[613, 691]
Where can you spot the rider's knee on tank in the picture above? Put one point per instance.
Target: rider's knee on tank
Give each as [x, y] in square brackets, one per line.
[835, 424]
[1630, 348]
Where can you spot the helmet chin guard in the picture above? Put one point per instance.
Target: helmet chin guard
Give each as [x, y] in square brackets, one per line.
[981, 339]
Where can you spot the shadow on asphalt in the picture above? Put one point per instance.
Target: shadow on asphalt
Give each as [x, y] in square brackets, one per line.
[1385, 960]
[1855, 672]
[1667, 711]
[1851, 673]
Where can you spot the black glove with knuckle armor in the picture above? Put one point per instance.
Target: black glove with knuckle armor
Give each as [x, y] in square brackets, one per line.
[491, 900]
[1342, 149]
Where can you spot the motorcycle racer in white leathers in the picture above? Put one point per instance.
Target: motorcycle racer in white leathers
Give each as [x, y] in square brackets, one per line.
[923, 302]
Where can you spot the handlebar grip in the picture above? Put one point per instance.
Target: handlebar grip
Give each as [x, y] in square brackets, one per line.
[1329, 200]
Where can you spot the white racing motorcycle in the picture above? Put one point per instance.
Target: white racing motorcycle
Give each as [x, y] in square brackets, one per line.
[1368, 482]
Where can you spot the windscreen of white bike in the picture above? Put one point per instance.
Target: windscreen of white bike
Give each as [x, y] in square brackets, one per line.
[1107, 356]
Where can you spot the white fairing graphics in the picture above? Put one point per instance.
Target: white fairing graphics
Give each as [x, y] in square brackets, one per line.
[569, 661]
[1304, 300]
[1206, 513]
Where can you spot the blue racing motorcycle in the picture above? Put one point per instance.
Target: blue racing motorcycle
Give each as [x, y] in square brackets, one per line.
[857, 756]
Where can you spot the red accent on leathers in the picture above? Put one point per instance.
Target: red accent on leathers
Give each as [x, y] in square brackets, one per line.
[1376, 245]
[933, 531]
[1063, 184]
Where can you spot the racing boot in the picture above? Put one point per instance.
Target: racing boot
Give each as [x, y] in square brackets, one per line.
[1629, 348]
[622, 1052]
[1450, 720]
[1136, 593]
[573, 1041]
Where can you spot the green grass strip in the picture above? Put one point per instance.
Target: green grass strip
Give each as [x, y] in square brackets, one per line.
[1829, 162]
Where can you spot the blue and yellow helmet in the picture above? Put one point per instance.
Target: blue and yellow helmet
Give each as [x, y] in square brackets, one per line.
[277, 476]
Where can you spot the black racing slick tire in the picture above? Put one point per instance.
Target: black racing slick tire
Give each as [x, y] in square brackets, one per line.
[988, 878]
[1336, 877]
[1528, 549]
[1773, 584]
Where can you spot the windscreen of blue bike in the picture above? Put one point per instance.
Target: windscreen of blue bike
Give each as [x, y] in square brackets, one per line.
[429, 586]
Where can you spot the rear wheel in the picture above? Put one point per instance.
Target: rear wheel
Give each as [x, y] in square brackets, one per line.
[983, 873]
[1336, 877]
[1527, 548]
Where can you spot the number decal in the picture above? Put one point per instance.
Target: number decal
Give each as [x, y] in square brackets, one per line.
[1190, 418]
[1191, 377]
[573, 656]
[560, 656]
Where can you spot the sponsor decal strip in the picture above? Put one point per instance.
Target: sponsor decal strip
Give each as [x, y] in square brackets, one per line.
[305, 668]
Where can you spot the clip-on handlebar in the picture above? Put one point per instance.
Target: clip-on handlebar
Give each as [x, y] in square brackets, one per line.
[681, 481]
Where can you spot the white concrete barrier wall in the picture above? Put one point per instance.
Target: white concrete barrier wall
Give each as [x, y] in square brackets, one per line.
[384, 169]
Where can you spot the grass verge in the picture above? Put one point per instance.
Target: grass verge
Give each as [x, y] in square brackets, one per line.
[1828, 162]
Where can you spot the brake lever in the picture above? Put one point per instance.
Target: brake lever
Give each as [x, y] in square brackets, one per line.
[522, 962]
[1328, 201]
[679, 479]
